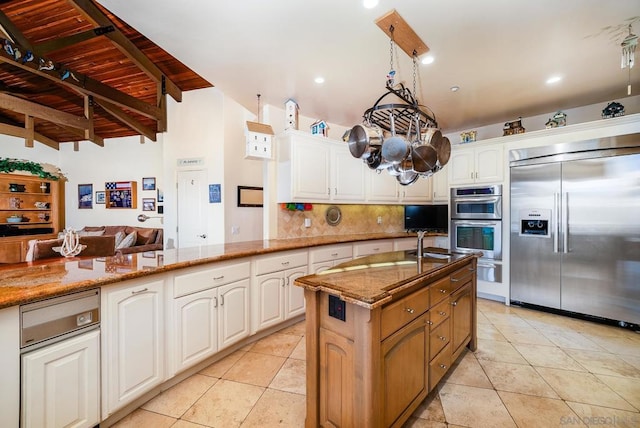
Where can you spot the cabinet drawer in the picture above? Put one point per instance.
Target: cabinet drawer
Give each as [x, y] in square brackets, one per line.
[334, 252]
[439, 366]
[439, 313]
[372, 247]
[440, 290]
[405, 310]
[461, 276]
[439, 338]
[280, 262]
[204, 278]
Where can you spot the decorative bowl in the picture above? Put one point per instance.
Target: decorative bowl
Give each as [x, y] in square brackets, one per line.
[13, 219]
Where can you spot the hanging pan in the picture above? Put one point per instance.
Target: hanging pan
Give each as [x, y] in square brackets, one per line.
[363, 138]
[444, 152]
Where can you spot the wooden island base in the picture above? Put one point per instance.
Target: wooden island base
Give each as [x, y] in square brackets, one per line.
[375, 368]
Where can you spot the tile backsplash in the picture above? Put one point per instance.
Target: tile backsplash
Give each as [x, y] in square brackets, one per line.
[355, 219]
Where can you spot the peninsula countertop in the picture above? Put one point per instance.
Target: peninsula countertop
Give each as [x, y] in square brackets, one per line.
[373, 280]
[25, 282]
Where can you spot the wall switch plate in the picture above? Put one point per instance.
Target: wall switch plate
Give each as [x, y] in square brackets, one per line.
[337, 308]
[307, 222]
[379, 219]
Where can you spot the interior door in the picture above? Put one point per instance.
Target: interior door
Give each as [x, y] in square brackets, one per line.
[192, 208]
[535, 262]
[600, 267]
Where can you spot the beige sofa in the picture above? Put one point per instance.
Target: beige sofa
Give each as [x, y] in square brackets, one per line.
[102, 241]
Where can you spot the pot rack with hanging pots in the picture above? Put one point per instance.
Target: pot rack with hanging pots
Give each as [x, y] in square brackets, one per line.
[398, 134]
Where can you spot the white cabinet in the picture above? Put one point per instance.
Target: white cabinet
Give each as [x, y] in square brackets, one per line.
[316, 169]
[274, 296]
[440, 182]
[62, 388]
[369, 248]
[10, 363]
[384, 188]
[476, 164]
[215, 314]
[404, 244]
[132, 341]
[328, 256]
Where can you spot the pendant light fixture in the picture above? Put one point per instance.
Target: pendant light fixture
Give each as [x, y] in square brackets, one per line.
[398, 134]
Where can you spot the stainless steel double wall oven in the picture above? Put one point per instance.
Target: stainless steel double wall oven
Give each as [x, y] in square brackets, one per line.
[476, 226]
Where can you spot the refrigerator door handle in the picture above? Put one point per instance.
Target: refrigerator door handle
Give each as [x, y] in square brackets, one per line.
[565, 223]
[556, 215]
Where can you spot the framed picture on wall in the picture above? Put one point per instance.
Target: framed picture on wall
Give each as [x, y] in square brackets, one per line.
[149, 183]
[249, 196]
[101, 197]
[148, 204]
[85, 196]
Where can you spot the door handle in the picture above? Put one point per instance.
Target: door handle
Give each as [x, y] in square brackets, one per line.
[556, 205]
[203, 236]
[565, 225]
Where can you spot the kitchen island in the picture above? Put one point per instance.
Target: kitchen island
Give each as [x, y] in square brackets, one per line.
[381, 331]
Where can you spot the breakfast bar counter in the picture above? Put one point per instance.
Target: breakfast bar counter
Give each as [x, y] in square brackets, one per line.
[381, 331]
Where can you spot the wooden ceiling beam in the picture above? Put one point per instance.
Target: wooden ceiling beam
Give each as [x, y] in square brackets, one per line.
[19, 132]
[22, 106]
[97, 140]
[14, 33]
[63, 42]
[114, 111]
[122, 42]
[80, 83]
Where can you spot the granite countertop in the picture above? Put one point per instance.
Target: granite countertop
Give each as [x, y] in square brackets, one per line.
[25, 282]
[373, 280]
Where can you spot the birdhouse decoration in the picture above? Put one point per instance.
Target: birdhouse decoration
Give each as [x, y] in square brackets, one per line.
[291, 114]
[259, 141]
[320, 128]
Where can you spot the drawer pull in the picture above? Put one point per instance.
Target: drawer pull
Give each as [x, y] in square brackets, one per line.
[218, 278]
[409, 310]
[442, 366]
[454, 303]
[443, 291]
[334, 254]
[444, 339]
[471, 269]
[376, 249]
[285, 263]
[429, 322]
[442, 313]
[454, 280]
[140, 291]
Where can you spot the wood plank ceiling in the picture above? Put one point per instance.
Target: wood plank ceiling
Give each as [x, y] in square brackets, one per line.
[70, 71]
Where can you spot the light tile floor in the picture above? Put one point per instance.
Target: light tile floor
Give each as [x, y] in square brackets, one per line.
[531, 369]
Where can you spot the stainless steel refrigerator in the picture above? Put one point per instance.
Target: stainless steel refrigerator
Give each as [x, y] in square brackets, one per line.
[575, 227]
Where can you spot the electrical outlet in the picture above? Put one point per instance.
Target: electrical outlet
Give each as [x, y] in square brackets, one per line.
[235, 230]
[379, 219]
[307, 222]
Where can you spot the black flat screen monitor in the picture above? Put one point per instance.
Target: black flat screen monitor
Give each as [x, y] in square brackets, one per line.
[430, 218]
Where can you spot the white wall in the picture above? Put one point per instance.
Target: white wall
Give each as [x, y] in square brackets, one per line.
[121, 159]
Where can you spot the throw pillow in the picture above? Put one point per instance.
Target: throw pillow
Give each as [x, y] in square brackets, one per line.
[119, 237]
[90, 233]
[146, 236]
[128, 241]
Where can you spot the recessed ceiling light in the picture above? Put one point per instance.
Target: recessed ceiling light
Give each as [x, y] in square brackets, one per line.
[455, 88]
[428, 59]
[319, 80]
[369, 4]
[553, 79]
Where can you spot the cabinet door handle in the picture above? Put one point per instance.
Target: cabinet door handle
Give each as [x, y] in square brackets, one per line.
[454, 303]
[454, 280]
[442, 313]
[444, 339]
[215, 302]
[442, 366]
[284, 281]
[140, 291]
[222, 300]
[335, 190]
[218, 278]
[409, 310]
[329, 191]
